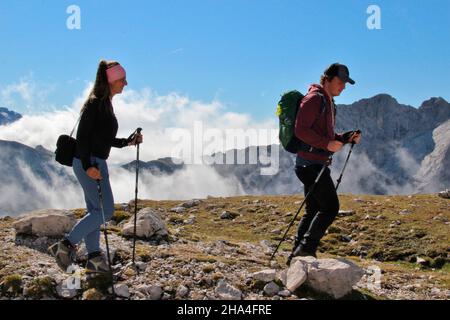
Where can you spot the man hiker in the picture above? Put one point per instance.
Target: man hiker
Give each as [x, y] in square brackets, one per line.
[314, 126]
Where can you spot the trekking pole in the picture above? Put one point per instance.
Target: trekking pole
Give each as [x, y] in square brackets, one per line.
[299, 209]
[100, 196]
[346, 161]
[138, 131]
[345, 165]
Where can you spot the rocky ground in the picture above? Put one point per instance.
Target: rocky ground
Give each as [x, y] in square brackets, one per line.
[219, 248]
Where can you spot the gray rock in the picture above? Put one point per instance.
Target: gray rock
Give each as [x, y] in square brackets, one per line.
[228, 215]
[149, 224]
[154, 292]
[48, 222]
[276, 231]
[182, 291]
[178, 209]
[122, 290]
[227, 292]
[271, 289]
[405, 212]
[190, 203]
[444, 194]
[284, 293]
[266, 276]
[345, 213]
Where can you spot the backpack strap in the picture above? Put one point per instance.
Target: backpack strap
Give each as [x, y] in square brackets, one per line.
[323, 105]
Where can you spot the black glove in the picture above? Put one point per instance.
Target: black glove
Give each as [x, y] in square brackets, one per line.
[346, 136]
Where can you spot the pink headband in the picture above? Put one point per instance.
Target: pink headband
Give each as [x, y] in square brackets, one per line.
[115, 73]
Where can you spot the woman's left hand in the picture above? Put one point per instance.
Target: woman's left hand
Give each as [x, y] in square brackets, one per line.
[138, 138]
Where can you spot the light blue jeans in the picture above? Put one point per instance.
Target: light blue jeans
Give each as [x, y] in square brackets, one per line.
[88, 228]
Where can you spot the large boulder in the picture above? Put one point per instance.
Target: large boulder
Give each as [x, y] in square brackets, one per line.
[331, 276]
[296, 275]
[148, 225]
[45, 223]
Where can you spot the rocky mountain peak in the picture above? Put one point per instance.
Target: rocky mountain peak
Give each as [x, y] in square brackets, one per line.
[378, 101]
[435, 102]
[8, 116]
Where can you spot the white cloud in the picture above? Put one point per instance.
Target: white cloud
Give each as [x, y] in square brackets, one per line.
[146, 109]
[26, 94]
[61, 193]
[362, 176]
[178, 50]
[195, 181]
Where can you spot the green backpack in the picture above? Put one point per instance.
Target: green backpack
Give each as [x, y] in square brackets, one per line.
[287, 113]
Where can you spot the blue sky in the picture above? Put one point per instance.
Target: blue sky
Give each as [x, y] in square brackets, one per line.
[243, 53]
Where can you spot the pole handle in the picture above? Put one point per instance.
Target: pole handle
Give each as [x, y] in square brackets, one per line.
[138, 131]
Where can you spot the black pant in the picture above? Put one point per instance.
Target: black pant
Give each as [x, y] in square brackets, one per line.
[322, 206]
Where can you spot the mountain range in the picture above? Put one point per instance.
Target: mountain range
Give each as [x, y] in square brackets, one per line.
[404, 150]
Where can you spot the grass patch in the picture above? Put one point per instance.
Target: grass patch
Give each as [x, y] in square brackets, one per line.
[42, 287]
[11, 285]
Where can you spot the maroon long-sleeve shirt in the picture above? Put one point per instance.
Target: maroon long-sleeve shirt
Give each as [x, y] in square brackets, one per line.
[314, 128]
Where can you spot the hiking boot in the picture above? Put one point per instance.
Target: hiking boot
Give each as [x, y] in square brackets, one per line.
[64, 253]
[300, 251]
[289, 259]
[97, 263]
[296, 244]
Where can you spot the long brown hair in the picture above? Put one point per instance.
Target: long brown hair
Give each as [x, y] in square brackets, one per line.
[101, 88]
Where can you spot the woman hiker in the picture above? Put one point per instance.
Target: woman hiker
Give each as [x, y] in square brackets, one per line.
[96, 135]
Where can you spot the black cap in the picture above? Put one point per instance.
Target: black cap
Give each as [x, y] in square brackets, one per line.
[340, 71]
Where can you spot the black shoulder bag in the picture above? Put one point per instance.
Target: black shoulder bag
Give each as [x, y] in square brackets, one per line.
[65, 147]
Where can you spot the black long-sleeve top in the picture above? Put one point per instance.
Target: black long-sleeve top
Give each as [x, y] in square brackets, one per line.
[97, 132]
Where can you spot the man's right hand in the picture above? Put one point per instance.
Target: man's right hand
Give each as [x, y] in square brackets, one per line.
[335, 146]
[94, 173]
